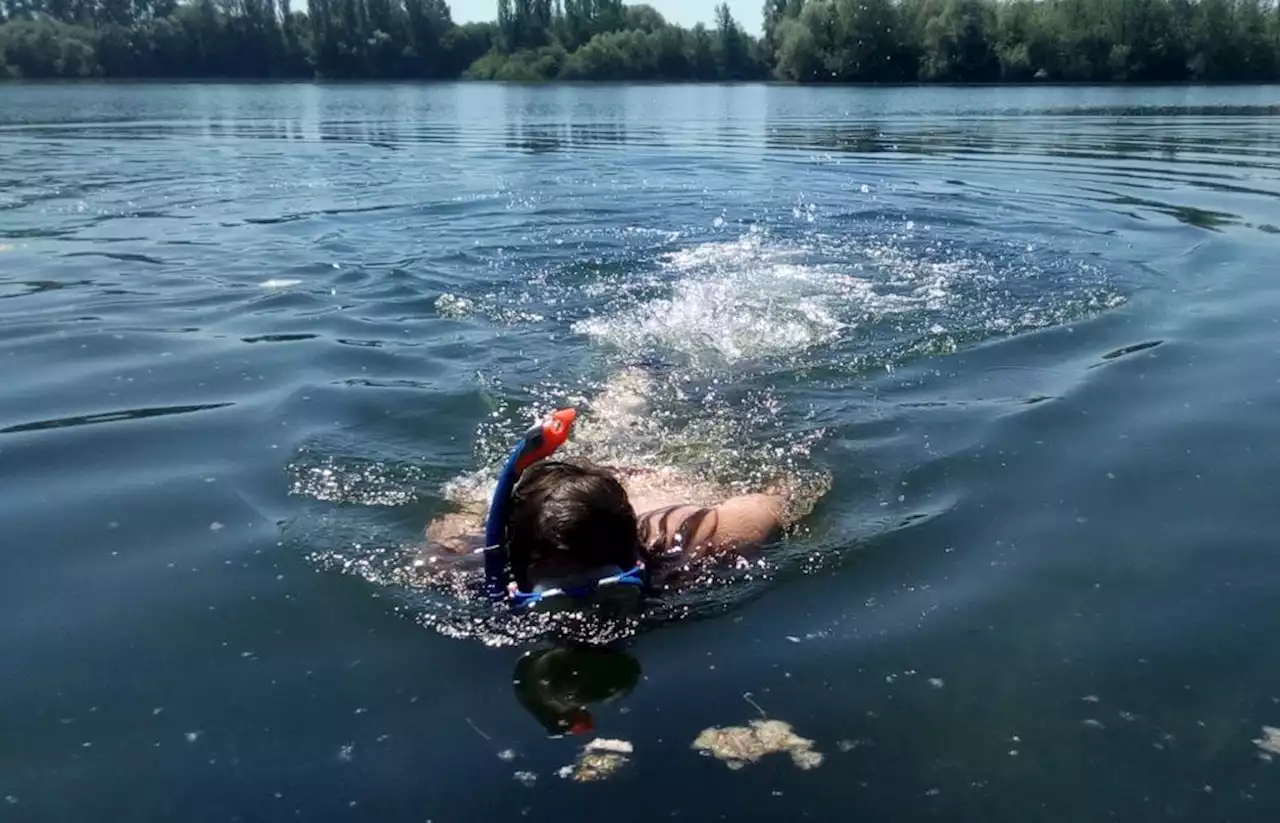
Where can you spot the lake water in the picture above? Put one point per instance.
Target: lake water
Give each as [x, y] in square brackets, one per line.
[1025, 340]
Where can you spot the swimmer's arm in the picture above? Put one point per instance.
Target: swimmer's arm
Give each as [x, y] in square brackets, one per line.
[745, 522]
[739, 523]
[456, 533]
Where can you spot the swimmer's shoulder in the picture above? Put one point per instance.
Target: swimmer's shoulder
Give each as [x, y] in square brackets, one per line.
[743, 522]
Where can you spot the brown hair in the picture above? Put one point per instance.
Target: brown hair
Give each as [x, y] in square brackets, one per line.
[568, 518]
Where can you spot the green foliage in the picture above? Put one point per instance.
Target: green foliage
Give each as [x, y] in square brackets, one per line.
[959, 41]
[236, 38]
[644, 18]
[798, 56]
[525, 66]
[806, 41]
[955, 41]
[44, 48]
[606, 40]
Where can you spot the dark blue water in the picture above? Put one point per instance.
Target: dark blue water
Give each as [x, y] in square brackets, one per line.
[1015, 350]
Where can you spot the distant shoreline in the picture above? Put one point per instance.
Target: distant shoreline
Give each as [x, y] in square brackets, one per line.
[846, 43]
[463, 81]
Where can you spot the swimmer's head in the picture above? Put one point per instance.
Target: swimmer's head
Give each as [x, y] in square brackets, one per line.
[569, 522]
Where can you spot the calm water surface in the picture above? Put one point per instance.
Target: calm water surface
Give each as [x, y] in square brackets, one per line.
[254, 338]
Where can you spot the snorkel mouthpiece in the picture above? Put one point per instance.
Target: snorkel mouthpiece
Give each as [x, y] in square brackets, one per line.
[538, 443]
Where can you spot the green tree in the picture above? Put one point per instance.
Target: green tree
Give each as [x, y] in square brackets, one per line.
[645, 18]
[732, 53]
[798, 56]
[774, 12]
[701, 51]
[869, 45]
[956, 44]
[461, 46]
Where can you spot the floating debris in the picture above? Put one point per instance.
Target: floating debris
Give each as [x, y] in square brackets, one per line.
[1094, 724]
[1270, 740]
[477, 729]
[279, 283]
[850, 745]
[1090, 698]
[527, 779]
[507, 755]
[937, 682]
[737, 746]
[598, 760]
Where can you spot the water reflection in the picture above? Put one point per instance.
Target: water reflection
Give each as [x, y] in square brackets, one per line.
[538, 138]
[559, 684]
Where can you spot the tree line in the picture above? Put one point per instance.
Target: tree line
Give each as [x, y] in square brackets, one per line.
[806, 41]
[967, 41]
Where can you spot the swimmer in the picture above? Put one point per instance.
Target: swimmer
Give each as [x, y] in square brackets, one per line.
[571, 529]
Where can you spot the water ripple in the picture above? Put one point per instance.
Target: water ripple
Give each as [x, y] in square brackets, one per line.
[109, 417]
[703, 281]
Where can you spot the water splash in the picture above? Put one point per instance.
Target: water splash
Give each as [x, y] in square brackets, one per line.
[370, 483]
[735, 301]
[888, 294]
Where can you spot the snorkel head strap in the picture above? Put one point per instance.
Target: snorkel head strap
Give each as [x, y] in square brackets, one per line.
[619, 592]
[538, 443]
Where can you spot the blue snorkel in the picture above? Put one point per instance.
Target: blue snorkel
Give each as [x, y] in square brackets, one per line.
[538, 443]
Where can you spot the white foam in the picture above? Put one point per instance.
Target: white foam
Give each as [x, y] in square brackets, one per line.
[453, 306]
[753, 298]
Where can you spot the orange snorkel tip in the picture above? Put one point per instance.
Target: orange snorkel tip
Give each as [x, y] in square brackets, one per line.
[562, 421]
[542, 442]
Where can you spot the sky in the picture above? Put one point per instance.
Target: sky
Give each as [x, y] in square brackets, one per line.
[684, 12]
